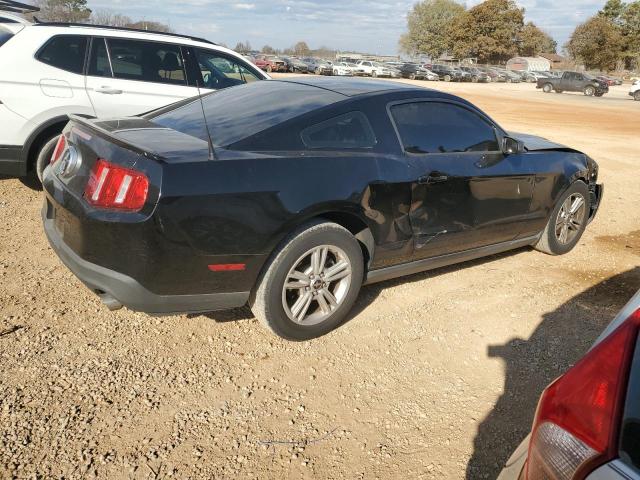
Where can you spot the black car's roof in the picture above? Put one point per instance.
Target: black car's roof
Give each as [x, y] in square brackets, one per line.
[351, 86]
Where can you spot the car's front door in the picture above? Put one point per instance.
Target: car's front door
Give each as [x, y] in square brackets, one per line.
[128, 77]
[466, 192]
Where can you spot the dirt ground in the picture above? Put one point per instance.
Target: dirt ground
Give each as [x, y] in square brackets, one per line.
[435, 376]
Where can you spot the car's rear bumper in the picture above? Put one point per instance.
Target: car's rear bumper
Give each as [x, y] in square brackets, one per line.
[116, 289]
[11, 161]
[514, 468]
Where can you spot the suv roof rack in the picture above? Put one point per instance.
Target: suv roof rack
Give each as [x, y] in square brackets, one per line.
[17, 7]
[125, 29]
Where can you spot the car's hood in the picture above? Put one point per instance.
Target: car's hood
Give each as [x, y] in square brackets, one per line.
[534, 143]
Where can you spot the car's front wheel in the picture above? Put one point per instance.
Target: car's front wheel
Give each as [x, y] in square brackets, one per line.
[547, 88]
[310, 284]
[567, 222]
[589, 90]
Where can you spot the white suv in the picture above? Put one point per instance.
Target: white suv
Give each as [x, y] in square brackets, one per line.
[48, 71]
[374, 69]
[635, 90]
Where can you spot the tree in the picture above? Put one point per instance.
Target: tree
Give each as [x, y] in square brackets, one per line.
[243, 47]
[301, 49]
[488, 31]
[105, 17]
[153, 26]
[268, 49]
[427, 26]
[72, 11]
[598, 43]
[613, 10]
[533, 41]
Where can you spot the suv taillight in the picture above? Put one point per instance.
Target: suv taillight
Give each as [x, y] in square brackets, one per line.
[114, 187]
[578, 417]
[59, 150]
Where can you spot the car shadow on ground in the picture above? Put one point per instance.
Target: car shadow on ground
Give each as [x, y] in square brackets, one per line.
[563, 336]
[30, 181]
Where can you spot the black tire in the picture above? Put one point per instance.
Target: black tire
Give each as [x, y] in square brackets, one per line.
[599, 94]
[547, 88]
[549, 242]
[589, 90]
[559, 91]
[636, 96]
[44, 156]
[266, 301]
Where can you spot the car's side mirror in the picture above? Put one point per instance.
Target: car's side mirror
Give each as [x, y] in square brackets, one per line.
[511, 146]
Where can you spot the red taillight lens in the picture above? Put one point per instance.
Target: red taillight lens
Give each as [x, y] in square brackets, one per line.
[578, 415]
[114, 187]
[59, 150]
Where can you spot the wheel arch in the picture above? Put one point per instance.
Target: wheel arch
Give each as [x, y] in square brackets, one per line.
[39, 137]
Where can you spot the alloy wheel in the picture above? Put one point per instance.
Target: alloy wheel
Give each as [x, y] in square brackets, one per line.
[570, 218]
[316, 285]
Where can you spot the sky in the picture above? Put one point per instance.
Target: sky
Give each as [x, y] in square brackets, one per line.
[372, 26]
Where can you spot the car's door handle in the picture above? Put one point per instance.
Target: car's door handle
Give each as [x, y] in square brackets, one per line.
[433, 177]
[108, 90]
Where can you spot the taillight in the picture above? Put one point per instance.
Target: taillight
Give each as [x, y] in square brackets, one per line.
[59, 150]
[114, 187]
[576, 425]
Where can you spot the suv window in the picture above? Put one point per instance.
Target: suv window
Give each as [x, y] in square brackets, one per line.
[66, 52]
[351, 130]
[5, 35]
[434, 127]
[99, 65]
[147, 61]
[221, 72]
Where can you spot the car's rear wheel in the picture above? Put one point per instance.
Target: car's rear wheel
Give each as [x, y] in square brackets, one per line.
[310, 284]
[589, 90]
[474, 79]
[269, 69]
[44, 156]
[374, 74]
[567, 222]
[547, 88]
[447, 78]
[636, 96]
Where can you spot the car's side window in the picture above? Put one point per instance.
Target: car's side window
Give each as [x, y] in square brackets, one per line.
[437, 127]
[351, 130]
[99, 65]
[220, 71]
[147, 61]
[66, 52]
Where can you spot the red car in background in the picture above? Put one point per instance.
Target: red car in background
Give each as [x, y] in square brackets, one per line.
[270, 63]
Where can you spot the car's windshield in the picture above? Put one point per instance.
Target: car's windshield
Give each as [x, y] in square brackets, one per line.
[240, 112]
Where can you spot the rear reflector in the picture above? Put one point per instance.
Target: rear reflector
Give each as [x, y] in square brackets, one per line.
[114, 187]
[578, 418]
[59, 150]
[227, 267]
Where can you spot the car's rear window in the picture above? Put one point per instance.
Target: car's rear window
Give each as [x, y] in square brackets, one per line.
[5, 35]
[243, 111]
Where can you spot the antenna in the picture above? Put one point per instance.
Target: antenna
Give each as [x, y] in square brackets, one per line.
[212, 151]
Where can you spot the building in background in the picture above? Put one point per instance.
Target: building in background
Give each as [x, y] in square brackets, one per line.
[529, 64]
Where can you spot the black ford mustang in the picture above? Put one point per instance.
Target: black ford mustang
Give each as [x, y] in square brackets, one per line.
[295, 193]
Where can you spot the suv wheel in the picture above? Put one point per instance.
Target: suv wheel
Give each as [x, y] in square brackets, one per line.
[636, 96]
[447, 78]
[311, 282]
[589, 90]
[547, 88]
[44, 156]
[567, 222]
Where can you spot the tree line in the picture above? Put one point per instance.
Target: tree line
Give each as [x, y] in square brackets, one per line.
[495, 30]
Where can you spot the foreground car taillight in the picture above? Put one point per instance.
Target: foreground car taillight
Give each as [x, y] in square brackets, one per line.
[59, 150]
[114, 187]
[576, 425]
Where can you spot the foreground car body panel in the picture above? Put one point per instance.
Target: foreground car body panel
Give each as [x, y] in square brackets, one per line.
[237, 208]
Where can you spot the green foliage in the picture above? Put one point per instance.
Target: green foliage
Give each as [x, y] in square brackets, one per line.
[73, 11]
[598, 43]
[488, 31]
[534, 41]
[428, 24]
[612, 10]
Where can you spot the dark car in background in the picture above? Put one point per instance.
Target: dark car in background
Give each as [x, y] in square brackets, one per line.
[446, 73]
[318, 66]
[587, 425]
[477, 75]
[295, 65]
[574, 82]
[413, 71]
[292, 194]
